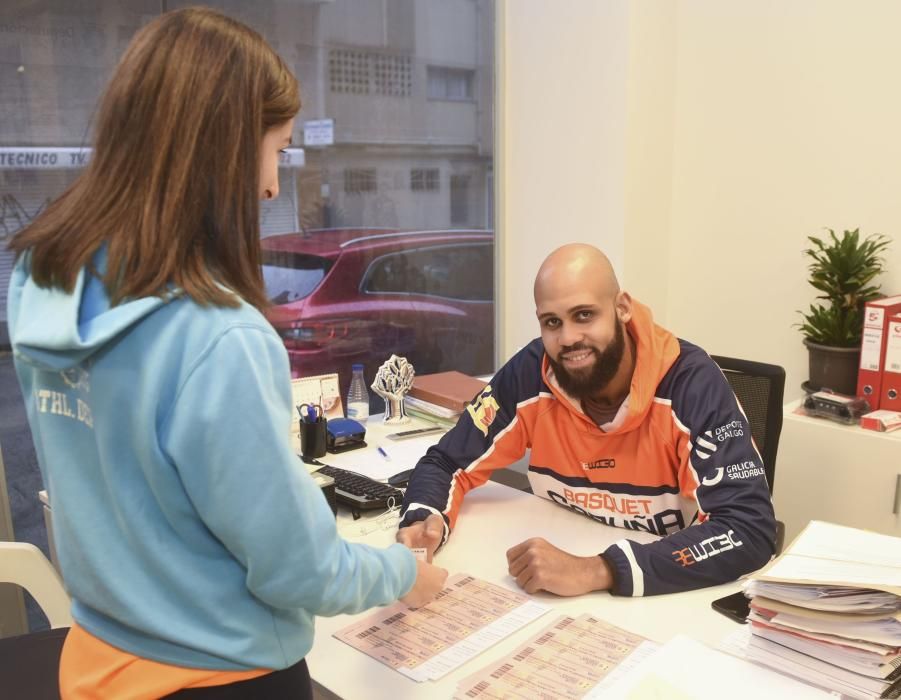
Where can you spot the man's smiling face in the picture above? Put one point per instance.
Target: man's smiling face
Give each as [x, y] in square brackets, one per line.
[585, 342]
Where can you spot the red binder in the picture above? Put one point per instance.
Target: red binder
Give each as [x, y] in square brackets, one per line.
[872, 347]
[891, 367]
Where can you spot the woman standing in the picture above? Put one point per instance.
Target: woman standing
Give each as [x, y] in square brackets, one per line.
[196, 548]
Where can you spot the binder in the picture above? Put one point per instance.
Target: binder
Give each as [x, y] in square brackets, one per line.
[890, 400]
[872, 348]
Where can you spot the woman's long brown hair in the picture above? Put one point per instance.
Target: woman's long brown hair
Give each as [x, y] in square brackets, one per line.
[173, 184]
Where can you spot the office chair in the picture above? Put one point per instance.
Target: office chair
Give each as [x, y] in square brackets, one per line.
[29, 663]
[759, 388]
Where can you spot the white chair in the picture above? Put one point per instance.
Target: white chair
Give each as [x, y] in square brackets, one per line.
[29, 663]
[25, 565]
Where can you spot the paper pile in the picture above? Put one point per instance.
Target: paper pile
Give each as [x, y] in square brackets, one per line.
[829, 611]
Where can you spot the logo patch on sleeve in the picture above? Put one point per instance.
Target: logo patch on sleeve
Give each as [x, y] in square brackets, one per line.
[691, 555]
[484, 410]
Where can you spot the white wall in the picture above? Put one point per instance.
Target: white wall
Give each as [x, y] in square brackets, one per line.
[561, 143]
[651, 86]
[699, 142]
[785, 120]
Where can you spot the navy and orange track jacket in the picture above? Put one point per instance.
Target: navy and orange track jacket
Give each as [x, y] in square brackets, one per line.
[681, 465]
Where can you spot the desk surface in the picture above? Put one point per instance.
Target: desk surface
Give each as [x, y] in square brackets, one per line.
[493, 519]
[402, 454]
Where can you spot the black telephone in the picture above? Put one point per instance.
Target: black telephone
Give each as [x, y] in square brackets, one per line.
[735, 607]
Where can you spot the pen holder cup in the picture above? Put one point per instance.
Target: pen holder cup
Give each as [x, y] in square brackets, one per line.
[313, 438]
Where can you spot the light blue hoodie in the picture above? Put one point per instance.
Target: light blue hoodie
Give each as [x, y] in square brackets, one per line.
[188, 532]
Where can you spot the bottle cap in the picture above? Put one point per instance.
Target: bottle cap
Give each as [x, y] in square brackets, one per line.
[354, 367]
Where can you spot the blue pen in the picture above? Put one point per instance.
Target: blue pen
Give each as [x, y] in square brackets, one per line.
[311, 414]
[382, 452]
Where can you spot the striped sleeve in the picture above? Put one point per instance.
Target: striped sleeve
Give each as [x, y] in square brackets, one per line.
[721, 470]
[491, 434]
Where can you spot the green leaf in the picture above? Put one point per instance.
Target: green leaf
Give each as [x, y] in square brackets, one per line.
[842, 269]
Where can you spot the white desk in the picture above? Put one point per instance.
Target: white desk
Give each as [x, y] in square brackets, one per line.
[493, 519]
[403, 454]
[838, 473]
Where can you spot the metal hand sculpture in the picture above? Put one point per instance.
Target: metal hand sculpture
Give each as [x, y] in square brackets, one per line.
[392, 381]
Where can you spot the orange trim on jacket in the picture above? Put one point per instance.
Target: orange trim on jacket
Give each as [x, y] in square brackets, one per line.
[681, 457]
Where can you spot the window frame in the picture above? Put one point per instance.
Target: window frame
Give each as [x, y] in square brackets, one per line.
[446, 72]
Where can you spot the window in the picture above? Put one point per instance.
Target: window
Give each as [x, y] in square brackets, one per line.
[425, 179]
[292, 276]
[450, 83]
[406, 112]
[393, 75]
[363, 73]
[351, 278]
[349, 71]
[462, 272]
[459, 200]
[358, 180]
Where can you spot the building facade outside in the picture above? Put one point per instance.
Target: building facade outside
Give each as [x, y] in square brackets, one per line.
[396, 130]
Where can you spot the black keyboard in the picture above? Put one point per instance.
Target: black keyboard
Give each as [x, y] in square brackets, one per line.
[360, 492]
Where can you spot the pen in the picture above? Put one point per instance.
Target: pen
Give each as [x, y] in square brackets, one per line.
[382, 452]
[311, 414]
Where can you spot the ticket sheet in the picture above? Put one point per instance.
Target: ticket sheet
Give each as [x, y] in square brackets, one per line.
[467, 617]
[567, 659]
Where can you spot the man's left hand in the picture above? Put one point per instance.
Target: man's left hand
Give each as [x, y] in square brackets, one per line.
[537, 565]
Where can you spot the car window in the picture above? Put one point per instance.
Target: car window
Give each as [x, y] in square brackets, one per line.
[462, 271]
[292, 276]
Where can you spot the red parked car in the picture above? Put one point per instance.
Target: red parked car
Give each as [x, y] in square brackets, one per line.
[341, 296]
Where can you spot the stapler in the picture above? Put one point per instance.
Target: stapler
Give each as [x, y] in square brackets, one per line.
[344, 434]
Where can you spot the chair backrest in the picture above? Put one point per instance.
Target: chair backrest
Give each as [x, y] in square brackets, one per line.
[25, 565]
[29, 663]
[759, 388]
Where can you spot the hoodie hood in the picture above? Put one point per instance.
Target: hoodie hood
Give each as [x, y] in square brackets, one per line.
[54, 330]
[656, 349]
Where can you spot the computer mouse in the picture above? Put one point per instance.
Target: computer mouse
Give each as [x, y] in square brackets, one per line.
[400, 479]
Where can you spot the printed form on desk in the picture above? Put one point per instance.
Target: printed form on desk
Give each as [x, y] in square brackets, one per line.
[567, 659]
[468, 617]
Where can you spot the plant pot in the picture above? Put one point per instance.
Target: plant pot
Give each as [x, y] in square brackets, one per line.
[833, 368]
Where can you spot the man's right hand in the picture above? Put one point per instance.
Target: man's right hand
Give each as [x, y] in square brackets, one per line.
[424, 534]
[429, 582]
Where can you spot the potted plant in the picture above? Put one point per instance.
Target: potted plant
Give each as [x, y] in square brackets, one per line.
[842, 269]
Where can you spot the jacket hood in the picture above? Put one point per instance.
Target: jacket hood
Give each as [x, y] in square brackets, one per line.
[656, 349]
[54, 330]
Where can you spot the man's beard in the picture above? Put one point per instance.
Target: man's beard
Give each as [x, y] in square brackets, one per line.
[585, 383]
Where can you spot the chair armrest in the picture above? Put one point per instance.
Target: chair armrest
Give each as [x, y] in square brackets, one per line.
[25, 565]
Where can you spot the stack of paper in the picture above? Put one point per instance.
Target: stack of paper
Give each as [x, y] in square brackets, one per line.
[431, 412]
[829, 611]
[442, 397]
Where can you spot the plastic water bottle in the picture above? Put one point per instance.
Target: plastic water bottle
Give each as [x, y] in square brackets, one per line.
[358, 396]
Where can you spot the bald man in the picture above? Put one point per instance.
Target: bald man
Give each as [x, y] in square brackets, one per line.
[628, 425]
